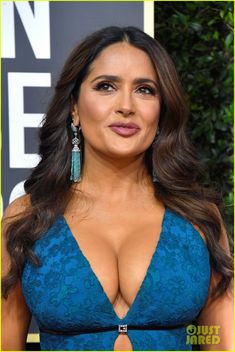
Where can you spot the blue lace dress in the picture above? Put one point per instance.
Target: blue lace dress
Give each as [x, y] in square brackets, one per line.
[65, 296]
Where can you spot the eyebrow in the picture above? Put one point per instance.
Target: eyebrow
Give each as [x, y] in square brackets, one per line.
[118, 79]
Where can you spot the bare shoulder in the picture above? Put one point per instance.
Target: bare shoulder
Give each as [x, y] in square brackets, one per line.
[219, 312]
[15, 313]
[224, 244]
[12, 213]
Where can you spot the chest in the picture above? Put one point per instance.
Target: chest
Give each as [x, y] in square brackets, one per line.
[118, 244]
[68, 290]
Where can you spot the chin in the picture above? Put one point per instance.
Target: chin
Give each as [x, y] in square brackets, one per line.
[123, 154]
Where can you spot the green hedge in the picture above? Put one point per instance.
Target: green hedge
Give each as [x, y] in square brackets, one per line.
[199, 38]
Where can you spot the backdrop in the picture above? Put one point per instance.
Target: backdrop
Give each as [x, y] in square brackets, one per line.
[36, 39]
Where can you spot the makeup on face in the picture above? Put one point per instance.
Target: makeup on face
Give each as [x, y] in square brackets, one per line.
[119, 102]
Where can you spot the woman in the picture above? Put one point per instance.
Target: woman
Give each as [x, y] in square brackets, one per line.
[118, 247]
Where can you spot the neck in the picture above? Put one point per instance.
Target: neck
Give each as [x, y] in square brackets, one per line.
[116, 179]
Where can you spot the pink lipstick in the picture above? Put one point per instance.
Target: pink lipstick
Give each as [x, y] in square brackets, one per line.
[124, 129]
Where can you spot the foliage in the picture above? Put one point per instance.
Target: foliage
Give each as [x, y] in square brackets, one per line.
[199, 38]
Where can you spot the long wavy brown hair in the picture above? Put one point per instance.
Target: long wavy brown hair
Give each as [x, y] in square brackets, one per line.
[175, 162]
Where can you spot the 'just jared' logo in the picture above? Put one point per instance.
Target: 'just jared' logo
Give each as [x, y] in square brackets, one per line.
[203, 334]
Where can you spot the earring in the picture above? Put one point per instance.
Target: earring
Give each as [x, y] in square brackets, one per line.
[154, 175]
[75, 175]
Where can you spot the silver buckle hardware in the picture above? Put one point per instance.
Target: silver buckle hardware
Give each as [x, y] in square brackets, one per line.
[122, 328]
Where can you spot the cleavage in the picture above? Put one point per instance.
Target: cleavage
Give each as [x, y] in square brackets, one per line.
[119, 259]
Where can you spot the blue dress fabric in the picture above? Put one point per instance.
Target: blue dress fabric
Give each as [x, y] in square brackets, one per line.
[64, 294]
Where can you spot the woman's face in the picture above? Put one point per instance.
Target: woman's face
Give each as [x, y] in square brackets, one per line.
[121, 88]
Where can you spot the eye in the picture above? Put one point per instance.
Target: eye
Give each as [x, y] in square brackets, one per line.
[147, 90]
[104, 86]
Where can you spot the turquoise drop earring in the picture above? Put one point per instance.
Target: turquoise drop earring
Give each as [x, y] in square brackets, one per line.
[75, 175]
[154, 175]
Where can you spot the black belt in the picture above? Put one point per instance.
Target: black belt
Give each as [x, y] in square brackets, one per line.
[119, 328]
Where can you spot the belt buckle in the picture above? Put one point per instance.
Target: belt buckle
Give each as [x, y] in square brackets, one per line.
[122, 328]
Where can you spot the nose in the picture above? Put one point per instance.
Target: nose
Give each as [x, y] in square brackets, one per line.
[125, 104]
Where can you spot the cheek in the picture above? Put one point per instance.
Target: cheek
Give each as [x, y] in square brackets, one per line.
[92, 108]
[151, 113]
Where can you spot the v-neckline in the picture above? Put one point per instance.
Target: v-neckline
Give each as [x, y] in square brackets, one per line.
[121, 320]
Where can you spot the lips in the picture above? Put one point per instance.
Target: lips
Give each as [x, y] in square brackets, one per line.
[124, 129]
[125, 125]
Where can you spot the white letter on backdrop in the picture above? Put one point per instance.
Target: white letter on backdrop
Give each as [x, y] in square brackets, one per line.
[36, 25]
[8, 30]
[18, 120]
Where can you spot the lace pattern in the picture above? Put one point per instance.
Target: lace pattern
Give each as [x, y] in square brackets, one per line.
[64, 293]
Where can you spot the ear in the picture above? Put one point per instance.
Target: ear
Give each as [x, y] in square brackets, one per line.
[75, 115]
